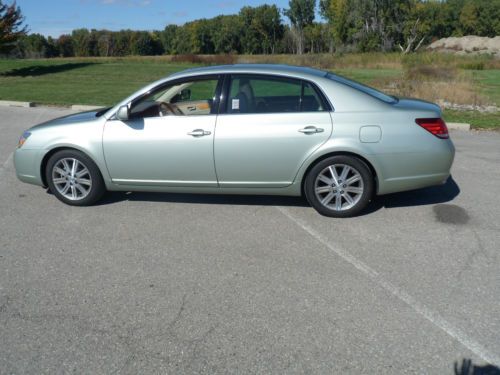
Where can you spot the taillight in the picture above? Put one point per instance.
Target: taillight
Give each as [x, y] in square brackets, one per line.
[434, 126]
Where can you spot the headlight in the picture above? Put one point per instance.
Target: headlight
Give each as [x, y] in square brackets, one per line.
[23, 139]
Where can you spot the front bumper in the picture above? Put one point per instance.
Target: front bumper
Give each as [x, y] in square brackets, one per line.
[27, 164]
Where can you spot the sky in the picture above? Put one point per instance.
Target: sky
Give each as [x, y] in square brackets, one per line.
[56, 17]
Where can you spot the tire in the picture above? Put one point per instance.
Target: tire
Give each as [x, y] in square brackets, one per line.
[330, 195]
[82, 187]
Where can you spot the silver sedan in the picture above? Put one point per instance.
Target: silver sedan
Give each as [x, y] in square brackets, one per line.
[244, 129]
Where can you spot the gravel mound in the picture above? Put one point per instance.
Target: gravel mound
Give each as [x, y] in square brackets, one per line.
[467, 45]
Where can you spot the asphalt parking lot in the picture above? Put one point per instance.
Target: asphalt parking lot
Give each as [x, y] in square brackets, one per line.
[171, 283]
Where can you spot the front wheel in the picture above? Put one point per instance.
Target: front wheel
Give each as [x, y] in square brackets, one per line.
[74, 178]
[339, 186]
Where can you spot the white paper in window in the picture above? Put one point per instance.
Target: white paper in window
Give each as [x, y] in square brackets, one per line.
[235, 104]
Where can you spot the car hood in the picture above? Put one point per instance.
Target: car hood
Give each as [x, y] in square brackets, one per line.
[70, 119]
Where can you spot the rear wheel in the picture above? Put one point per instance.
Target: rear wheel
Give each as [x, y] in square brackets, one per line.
[74, 178]
[339, 186]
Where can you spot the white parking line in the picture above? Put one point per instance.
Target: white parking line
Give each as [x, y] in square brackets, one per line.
[4, 165]
[428, 314]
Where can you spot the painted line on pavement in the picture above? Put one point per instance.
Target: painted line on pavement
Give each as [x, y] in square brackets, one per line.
[428, 314]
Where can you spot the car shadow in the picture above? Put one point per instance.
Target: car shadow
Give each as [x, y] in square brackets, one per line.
[427, 196]
[421, 197]
[218, 199]
[40, 70]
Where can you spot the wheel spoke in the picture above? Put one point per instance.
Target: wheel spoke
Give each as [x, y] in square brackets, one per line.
[81, 189]
[74, 167]
[338, 202]
[65, 189]
[353, 179]
[66, 167]
[60, 180]
[334, 174]
[60, 171]
[325, 179]
[353, 189]
[326, 200]
[323, 189]
[345, 172]
[74, 195]
[348, 198]
[83, 172]
[84, 181]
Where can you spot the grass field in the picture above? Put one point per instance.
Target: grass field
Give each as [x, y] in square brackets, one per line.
[105, 81]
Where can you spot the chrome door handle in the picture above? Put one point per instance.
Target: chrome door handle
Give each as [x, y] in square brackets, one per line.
[311, 130]
[199, 133]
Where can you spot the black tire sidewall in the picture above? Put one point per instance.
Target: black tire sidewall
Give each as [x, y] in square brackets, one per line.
[98, 187]
[352, 161]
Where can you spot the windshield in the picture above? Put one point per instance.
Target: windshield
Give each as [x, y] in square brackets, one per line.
[102, 111]
[366, 89]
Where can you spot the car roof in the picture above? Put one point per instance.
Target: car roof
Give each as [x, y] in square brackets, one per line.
[278, 69]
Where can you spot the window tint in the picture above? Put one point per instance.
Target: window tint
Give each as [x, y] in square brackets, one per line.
[188, 98]
[261, 94]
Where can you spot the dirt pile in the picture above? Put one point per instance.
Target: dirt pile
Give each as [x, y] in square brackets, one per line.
[467, 45]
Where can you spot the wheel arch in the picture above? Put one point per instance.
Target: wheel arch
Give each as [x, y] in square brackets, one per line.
[48, 155]
[338, 153]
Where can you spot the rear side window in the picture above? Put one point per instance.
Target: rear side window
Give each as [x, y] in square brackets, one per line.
[363, 88]
[266, 94]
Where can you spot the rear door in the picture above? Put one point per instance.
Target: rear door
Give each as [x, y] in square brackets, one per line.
[268, 127]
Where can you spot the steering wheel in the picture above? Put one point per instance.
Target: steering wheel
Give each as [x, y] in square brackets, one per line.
[167, 109]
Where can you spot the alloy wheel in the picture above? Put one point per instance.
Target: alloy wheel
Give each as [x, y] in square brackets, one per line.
[72, 179]
[339, 187]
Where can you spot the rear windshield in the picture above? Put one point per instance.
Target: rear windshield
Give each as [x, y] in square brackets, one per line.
[366, 89]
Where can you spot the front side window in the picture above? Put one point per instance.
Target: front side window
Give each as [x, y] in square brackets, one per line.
[261, 94]
[187, 98]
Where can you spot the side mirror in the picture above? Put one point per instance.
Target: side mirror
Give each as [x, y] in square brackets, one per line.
[122, 113]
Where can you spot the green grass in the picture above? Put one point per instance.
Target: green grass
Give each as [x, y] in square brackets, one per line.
[477, 119]
[105, 81]
[79, 81]
[488, 82]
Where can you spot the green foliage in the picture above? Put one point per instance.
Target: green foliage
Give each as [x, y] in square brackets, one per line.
[11, 29]
[351, 26]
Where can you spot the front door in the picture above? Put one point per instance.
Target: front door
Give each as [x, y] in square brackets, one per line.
[168, 140]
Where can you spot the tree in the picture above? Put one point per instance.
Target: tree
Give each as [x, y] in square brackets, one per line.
[167, 37]
[11, 29]
[336, 13]
[227, 35]
[146, 44]
[65, 46]
[301, 15]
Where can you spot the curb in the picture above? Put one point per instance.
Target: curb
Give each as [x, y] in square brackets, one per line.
[458, 126]
[10, 103]
[78, 107]
[75, 107]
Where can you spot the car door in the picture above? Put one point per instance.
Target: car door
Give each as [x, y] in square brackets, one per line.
[268, 128]
[168, 139]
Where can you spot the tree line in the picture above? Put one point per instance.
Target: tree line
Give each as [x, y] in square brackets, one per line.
[345, 26]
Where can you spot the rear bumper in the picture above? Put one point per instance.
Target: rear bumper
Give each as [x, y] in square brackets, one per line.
[27, 166]
[417, 170]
